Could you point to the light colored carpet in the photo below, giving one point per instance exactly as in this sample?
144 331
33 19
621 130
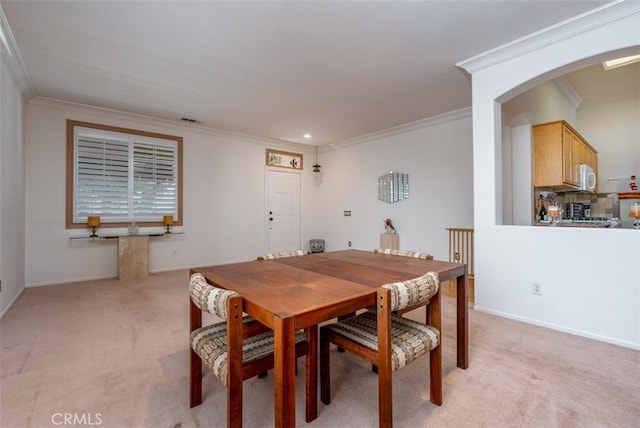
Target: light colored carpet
115 354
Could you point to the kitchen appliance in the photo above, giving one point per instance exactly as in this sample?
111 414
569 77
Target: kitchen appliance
587 178
574 210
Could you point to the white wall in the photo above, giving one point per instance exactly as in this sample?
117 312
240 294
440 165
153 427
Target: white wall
613 129
224 187
223 199
12 207
437 156
590 277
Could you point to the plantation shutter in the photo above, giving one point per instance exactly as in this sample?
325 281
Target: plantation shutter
102 178
124 177
155 181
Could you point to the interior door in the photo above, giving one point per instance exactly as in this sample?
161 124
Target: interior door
284 223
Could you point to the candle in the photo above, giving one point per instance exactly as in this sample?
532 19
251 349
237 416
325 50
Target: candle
553 211
634 211
93 220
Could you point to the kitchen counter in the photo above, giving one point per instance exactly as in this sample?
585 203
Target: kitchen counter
584 223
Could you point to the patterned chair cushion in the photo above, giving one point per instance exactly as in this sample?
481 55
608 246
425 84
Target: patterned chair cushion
404 253
210 343
423 256
283 254
409 339
414 291
209 298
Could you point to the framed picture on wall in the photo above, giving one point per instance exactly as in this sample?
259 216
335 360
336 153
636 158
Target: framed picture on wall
282 159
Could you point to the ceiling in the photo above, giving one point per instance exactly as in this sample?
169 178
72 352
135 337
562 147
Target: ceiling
276 70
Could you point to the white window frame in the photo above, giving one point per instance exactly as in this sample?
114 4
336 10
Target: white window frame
144 203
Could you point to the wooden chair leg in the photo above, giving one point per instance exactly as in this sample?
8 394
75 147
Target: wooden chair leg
385 402
325 370
195 380
234 402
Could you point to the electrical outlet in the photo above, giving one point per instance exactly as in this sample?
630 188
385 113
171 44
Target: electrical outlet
347 213
349 243
536 289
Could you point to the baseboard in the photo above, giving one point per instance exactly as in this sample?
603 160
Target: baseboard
617 342
6 309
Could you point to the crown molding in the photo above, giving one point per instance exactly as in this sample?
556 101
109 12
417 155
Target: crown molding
10 54
567 91
401 129
78 108
595 18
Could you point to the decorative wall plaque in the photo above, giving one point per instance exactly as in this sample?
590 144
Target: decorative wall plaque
284 159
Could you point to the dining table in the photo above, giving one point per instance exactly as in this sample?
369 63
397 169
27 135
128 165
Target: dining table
293 293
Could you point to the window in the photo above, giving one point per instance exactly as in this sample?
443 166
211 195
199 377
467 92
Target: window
122 175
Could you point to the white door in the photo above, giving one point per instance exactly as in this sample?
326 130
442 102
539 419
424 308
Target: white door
284 222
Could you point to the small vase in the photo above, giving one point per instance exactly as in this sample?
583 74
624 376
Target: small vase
133 229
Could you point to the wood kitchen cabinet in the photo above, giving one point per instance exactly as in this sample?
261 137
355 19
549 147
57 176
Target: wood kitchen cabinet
558 151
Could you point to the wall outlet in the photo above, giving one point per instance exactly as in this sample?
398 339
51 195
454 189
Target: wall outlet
347 213
536 288
348 243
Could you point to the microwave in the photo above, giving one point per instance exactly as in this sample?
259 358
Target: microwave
587 178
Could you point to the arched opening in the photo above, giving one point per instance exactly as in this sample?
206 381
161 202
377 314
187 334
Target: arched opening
603 106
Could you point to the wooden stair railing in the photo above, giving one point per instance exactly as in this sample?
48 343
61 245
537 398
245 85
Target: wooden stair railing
461 251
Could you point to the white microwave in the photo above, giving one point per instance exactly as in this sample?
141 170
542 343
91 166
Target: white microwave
587 178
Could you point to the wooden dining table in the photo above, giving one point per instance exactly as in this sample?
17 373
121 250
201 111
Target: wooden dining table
295 293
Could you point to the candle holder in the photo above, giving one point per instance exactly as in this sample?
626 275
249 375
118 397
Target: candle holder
93 221
634 211
167 220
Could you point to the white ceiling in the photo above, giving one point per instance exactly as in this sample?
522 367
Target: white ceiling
277 70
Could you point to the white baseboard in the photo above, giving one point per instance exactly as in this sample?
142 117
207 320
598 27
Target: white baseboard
563 329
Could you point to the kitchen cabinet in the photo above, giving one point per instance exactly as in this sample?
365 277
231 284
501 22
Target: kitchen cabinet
558 151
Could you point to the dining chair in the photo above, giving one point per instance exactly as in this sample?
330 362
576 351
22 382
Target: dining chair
282 254
237 348
405 253
389 341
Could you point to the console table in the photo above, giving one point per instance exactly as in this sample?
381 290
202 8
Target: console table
133 253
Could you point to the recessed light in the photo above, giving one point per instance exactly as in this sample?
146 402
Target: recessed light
307 136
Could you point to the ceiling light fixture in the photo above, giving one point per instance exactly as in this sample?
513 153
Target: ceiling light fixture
316 167
620 62
307 136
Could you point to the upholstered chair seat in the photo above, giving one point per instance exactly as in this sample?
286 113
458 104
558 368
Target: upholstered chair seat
389 341
409 339
210 343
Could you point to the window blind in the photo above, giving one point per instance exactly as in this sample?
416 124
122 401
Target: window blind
123 177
